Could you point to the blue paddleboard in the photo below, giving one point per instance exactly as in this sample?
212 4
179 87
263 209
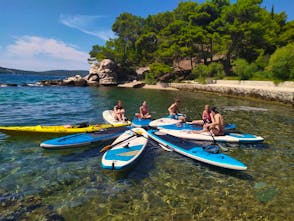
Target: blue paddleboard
136 122
195 152
82 139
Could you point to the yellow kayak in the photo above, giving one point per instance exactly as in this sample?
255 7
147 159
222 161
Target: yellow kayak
62 129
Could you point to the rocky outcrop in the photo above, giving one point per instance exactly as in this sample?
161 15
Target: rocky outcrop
133 84
76 80
103 73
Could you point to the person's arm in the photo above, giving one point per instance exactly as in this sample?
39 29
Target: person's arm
203 116
141 112
170 109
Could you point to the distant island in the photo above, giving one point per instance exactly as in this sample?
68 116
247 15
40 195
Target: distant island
51 72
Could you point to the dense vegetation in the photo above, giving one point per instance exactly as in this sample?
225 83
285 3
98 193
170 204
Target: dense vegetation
220 39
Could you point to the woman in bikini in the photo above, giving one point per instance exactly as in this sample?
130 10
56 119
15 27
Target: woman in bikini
119 111
206 118
216 127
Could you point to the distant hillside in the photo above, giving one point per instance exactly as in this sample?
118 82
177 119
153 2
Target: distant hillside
53 72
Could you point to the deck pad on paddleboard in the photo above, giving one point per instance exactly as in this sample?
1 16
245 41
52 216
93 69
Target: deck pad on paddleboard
196 152
126 150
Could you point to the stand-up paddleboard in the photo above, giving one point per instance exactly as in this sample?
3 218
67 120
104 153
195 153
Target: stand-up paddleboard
60 129
195 152
83 139
163 121
136 122
206 136
109 118
126 150
187 126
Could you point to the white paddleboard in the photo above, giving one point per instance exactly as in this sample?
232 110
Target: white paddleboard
130 146
163 121
108 116
229 137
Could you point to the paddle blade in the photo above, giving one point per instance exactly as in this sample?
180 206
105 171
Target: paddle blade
138 132
104 149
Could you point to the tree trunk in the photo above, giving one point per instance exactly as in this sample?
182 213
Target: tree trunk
211 53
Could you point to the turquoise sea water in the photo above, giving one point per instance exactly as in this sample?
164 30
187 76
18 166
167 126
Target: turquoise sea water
37 184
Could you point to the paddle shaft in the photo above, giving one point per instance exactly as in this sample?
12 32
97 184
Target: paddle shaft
214 141
107 147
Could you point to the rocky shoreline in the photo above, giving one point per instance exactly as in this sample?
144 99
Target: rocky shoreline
105 73
264 90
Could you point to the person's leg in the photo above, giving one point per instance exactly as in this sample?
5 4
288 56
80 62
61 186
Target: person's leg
122 112
199 122
147 116
216 132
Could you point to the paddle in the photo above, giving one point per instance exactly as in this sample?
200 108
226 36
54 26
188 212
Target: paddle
108 147
214 141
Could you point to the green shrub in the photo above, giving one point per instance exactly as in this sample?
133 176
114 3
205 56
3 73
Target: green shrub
200 71
216 70
156 70
281 63
243 69
260 76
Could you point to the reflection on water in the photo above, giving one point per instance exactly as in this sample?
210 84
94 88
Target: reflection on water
38 184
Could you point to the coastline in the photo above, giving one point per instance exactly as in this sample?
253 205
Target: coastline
140 84
265 90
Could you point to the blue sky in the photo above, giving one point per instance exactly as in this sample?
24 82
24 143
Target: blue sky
58 34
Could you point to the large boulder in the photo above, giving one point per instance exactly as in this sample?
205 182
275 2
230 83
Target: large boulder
104 73
76 80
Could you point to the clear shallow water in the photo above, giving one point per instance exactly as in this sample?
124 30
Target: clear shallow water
70 184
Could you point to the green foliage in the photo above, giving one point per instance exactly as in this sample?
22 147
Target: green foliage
156 70
243 70
200 71
281 63
260 76
207 32
216 70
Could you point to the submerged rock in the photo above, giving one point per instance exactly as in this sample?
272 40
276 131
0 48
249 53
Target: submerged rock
264 193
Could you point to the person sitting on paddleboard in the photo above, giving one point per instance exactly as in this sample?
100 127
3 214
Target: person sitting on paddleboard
206 118
216 127
144 112
119 111
174 111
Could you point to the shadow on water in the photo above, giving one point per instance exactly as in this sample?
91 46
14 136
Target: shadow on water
137 171
257 146
79 153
